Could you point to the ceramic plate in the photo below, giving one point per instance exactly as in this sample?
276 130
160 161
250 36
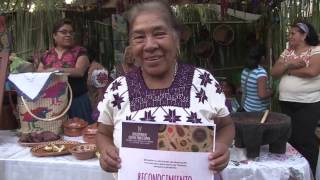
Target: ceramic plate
40 152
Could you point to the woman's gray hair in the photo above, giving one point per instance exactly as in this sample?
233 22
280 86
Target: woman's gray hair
158 6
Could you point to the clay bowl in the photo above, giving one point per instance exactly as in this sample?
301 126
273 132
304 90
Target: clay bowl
74 127
251 134
89 133
83 151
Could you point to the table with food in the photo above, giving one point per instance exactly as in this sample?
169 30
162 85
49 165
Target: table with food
50 146
45 155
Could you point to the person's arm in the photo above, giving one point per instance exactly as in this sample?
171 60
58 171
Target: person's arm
311 71
41 68
263 90
109 159
281 66
219 159
80 68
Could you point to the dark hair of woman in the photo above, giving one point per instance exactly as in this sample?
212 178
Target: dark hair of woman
158 6
60 23
312 38
254 57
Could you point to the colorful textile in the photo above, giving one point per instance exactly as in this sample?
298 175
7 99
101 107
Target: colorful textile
67 60
80 106
30 85
252 102
194 97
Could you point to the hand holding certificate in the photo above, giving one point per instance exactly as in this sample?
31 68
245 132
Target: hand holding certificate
166 151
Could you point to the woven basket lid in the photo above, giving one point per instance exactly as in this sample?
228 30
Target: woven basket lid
223 34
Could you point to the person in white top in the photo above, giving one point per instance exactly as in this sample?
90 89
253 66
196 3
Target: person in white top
162 89
299 88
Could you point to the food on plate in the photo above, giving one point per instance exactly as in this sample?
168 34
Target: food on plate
36 137
54 148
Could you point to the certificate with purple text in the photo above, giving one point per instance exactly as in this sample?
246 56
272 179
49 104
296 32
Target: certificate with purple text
166 151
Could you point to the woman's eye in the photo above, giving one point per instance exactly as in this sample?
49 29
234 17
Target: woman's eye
138 38
159 34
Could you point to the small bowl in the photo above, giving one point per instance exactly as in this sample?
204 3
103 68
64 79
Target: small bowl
89 133
74 127
83 151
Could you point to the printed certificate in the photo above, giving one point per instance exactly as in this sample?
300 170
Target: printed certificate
165 151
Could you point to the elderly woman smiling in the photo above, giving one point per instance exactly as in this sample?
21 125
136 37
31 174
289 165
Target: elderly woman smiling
162 89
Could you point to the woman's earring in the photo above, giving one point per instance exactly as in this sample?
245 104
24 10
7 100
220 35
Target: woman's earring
178 52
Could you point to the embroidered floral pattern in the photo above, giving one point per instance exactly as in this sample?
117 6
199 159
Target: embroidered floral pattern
148 117
172 117
129 118
115 85
205 79
117 101
193 118
178 94
202 96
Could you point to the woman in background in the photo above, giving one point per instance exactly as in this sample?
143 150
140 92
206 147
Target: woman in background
68 58
254 83
299 90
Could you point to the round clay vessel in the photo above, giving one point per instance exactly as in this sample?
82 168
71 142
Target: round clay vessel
83 151
74 127
89 133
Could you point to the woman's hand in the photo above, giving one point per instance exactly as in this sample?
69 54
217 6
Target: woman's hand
219 159
295 64
110 160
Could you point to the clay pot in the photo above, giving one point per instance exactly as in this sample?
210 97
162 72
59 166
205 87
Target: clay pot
89 133
251 134
83 151
74 127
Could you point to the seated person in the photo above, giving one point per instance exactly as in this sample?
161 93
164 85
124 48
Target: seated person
229 92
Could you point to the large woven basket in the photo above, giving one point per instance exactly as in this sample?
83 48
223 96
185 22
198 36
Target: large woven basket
49 111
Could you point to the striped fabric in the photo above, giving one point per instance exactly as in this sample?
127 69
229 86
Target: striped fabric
252 102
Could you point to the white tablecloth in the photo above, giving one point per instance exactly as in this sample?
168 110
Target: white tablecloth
268 166
17 163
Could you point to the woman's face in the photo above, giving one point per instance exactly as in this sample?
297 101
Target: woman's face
153 43
64 36
296 37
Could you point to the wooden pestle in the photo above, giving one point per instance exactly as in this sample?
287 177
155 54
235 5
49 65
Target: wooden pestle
264 117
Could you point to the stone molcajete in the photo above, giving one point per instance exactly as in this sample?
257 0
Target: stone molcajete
251 134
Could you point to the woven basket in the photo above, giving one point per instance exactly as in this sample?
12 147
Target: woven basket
223 34
49 111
